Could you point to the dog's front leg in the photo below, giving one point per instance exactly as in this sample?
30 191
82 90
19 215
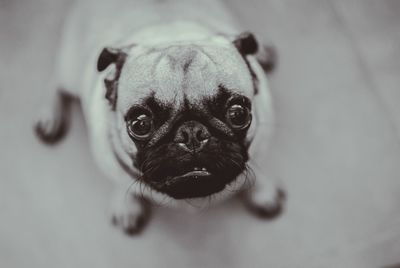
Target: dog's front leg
130 212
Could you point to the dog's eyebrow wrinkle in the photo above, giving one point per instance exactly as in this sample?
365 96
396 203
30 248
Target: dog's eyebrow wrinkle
208 56
154 105
220 99
186 65
182 58
157 63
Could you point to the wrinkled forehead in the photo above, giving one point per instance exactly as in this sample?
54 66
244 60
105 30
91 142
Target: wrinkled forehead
178 74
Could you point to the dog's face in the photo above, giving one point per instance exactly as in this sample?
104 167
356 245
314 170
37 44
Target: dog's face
182 114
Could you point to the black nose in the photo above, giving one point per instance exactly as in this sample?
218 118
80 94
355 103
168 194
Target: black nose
192 136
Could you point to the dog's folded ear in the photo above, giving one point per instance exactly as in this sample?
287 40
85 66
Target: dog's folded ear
246 43
107 57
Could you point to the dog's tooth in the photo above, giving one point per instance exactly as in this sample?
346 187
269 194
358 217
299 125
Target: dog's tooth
196 168
204 169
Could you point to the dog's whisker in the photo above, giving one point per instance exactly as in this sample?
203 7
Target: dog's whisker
127 192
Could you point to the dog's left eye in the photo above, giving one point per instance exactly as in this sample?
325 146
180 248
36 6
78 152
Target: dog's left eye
238 117
141 127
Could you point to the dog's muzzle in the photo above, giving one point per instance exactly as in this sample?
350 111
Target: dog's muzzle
197 167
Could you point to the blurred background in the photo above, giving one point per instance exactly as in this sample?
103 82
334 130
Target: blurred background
337 148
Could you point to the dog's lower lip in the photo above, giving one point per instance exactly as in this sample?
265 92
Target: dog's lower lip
196 173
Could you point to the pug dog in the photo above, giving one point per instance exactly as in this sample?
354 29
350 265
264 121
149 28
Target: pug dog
176 103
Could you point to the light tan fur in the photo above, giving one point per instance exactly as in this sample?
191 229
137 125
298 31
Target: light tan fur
175 48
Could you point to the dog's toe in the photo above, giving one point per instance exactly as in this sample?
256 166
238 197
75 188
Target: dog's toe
131 224
131 217
266 206
53 121
50 130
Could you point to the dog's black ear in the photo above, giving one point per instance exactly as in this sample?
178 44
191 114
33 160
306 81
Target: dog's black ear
266 55
246 43
109 56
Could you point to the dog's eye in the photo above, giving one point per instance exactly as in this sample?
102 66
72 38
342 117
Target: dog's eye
238 117
141 127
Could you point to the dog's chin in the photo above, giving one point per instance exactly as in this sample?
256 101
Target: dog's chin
192 184
193 187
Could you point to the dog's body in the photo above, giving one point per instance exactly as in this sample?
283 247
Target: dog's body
182 52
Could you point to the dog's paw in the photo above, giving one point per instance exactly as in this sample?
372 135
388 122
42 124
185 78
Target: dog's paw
53 122
50 128
131 215
265 204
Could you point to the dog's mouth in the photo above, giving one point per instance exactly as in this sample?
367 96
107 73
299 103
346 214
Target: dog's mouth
195 173
193 182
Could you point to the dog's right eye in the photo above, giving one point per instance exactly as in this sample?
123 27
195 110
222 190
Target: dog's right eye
238 116
140 127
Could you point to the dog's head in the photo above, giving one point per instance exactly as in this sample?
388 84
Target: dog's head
182 112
